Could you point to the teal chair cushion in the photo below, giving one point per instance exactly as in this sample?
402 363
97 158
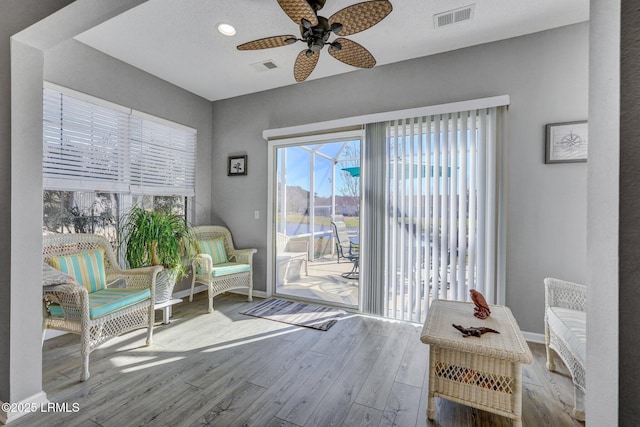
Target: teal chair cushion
106 301
229 268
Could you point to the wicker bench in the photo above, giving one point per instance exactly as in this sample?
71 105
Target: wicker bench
565 327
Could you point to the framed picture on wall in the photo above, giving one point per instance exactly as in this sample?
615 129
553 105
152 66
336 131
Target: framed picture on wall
566 142
237 165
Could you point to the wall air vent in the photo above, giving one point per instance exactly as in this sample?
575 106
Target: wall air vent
265 65
453 16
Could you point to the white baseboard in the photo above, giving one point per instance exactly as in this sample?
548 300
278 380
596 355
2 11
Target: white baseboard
202 288
52 333
259 294
534 337
186 292
33 402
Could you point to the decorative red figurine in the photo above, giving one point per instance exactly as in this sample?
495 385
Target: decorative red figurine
481 311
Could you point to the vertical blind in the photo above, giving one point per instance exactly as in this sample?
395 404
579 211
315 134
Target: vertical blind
102 147
441 233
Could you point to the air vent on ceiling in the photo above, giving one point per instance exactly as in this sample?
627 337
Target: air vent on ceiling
453 16
265 65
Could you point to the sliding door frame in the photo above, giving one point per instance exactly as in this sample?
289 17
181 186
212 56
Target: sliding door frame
273 146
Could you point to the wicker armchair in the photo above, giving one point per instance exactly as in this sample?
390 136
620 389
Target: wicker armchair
69 306
565 333
232 270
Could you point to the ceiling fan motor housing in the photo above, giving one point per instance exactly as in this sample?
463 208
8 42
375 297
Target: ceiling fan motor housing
316 4
316 37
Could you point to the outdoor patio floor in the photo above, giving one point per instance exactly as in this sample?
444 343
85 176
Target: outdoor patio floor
324 283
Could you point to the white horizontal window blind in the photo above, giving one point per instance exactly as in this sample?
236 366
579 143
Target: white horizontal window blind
162 158
101 147
83 142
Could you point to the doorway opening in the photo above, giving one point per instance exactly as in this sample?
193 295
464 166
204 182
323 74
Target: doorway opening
317 196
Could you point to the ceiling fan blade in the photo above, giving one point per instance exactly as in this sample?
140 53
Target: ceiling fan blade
268 42
299 9
304 65
360 16
353 54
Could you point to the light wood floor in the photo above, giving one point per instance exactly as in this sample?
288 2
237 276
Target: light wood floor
228 369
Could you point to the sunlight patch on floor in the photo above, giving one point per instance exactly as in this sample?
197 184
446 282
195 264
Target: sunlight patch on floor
152 364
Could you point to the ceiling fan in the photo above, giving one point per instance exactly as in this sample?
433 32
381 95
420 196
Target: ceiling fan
316 30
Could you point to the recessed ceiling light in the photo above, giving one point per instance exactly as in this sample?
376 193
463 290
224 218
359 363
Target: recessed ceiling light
226 29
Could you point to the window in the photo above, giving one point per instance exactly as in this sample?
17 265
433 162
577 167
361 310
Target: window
101 158
98 212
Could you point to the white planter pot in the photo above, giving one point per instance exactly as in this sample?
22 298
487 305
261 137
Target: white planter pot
165 282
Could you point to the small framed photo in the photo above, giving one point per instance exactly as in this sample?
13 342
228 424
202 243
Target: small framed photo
237 166
566 142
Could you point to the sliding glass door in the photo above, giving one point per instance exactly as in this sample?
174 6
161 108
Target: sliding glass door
316 205
432 212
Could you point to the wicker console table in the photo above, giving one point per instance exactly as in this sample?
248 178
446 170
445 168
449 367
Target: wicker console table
483 372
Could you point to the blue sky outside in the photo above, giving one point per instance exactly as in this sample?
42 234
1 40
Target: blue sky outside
299 162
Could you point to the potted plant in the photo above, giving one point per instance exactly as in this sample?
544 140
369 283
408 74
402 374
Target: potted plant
152 238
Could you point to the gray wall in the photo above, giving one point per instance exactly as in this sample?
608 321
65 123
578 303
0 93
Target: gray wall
629 223
613 215
15 15
79 67
546 75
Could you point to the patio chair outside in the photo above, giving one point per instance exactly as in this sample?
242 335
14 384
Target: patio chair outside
345 248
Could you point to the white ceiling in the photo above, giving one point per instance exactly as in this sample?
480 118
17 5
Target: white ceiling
177 40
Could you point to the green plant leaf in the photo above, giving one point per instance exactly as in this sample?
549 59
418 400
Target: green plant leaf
142 231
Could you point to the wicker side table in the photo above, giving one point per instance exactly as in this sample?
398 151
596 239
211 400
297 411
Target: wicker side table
483 372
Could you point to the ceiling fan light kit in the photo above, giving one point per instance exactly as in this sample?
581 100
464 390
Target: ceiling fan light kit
316 30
